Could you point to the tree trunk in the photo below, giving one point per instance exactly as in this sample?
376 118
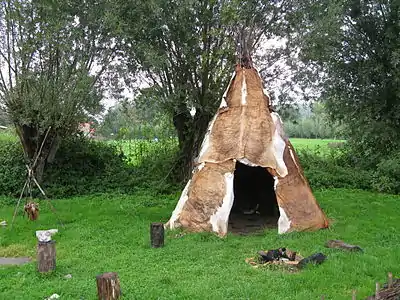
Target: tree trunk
191 131
157 235
31 140
108 287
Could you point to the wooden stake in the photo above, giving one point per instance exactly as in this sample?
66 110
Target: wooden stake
390 280
108 287
157 235
354 295
377 290
46 256
322 297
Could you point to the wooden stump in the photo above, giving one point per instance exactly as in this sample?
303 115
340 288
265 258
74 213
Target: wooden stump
157 235
108 287
46 256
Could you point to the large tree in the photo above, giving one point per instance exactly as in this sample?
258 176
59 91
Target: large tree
186 50
353 48
53 55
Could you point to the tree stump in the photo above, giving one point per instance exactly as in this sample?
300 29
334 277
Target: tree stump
157 235
108 287
46 256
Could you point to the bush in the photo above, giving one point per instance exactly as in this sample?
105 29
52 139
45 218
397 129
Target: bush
83 166
333 169
386 178
86 167
12 168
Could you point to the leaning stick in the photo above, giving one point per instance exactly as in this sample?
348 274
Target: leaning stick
19 201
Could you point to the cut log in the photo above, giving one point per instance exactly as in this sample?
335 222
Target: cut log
46 256
157 235
108 287
342 245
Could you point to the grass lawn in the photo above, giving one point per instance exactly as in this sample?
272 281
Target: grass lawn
137 149
111 233
312 143
7 135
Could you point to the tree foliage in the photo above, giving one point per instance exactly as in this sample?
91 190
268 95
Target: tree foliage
186 50
353 48
53 55
138 120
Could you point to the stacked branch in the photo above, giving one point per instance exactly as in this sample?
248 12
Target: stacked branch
390 291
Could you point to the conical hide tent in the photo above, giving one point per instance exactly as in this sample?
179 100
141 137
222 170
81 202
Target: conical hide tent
245 131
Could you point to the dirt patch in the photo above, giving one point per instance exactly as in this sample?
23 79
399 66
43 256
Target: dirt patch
242 224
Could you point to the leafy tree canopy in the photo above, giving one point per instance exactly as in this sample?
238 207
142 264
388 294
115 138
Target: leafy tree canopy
352 49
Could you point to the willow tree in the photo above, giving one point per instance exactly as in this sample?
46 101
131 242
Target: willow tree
53 57
352 50
186 50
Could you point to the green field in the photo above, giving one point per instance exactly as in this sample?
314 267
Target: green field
111 233
312 143
135 150
7 135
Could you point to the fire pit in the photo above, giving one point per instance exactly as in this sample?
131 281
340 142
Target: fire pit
287 259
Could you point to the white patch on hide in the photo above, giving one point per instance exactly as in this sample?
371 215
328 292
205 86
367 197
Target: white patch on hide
223 101
178 209
246 162
283 222
219 220
244 90
266 93
292 155
276 181
201 166
279 145
206 142
278 123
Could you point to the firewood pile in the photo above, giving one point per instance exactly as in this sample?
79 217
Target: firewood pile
285 258
390 291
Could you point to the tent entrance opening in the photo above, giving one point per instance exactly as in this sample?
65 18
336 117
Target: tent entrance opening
255 206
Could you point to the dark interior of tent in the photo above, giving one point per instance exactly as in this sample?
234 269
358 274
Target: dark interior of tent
255 206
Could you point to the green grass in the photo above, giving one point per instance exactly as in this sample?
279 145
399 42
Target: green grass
136 150
111 233
8 135
312 143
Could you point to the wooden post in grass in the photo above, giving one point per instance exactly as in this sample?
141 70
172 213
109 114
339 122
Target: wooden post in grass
377 290
46 256
390 280
157 235
108 287
354 295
